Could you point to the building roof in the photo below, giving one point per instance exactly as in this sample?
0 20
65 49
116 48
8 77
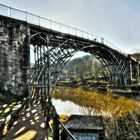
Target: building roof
85 122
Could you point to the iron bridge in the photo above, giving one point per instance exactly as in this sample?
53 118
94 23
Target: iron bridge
54 44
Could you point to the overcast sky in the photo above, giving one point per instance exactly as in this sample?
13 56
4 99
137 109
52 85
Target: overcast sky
118 21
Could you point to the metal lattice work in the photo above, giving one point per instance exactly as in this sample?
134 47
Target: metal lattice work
51 53
49 61
61 49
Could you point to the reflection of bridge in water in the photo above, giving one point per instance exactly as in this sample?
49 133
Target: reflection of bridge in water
54 44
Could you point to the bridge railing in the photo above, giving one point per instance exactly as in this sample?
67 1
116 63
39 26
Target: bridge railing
52 25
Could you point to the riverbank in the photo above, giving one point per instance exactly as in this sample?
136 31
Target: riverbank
120 114
105 104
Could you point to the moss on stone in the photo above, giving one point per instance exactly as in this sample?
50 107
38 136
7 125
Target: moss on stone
8 97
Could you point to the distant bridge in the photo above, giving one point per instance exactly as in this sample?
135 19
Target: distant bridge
53 45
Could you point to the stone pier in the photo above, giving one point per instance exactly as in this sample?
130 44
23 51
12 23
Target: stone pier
14 56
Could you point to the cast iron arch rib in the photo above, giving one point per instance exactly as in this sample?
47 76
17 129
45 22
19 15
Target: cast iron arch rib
62 49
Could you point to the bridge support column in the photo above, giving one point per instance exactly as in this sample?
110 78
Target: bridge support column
130 70
26 57
138 71
56 128
14 56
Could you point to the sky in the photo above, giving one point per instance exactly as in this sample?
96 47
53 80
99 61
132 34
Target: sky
118 21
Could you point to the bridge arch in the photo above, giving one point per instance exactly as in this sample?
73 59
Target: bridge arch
53 52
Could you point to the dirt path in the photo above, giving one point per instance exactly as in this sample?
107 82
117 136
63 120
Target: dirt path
29 126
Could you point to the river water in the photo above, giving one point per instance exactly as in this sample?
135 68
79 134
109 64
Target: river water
67 107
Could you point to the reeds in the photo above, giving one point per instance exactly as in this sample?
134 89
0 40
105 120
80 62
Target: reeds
121 115
105 104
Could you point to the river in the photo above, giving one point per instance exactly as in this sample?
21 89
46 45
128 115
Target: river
67 107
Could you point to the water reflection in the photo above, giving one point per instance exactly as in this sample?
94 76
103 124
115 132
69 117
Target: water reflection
67 107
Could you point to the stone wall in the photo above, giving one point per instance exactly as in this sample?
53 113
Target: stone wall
14 56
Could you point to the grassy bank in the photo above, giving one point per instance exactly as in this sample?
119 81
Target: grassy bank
105 104
121 115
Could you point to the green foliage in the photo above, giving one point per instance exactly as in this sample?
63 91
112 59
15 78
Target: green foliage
79 66
84 67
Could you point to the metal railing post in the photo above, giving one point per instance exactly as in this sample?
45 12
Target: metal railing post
26 16
10 12
60 27
68 29
50 24
56 128
75 31
39 20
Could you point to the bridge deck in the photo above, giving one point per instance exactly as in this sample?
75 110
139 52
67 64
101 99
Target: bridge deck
30 125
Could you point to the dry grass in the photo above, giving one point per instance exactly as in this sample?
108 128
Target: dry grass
105 104
121 116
